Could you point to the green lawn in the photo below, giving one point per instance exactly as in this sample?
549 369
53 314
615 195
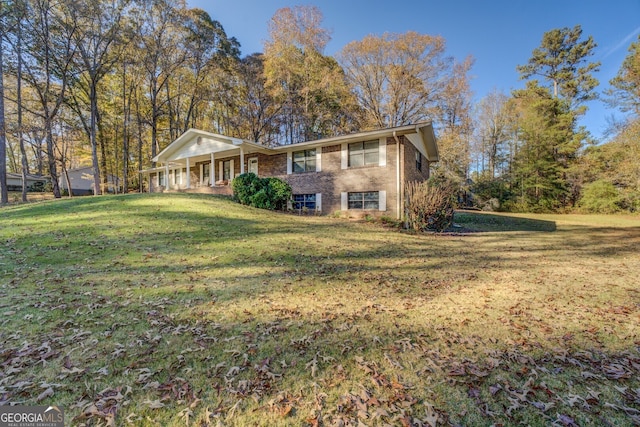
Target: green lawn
192 310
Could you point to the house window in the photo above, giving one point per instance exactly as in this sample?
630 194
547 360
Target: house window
176 177
304 161
364 200
418 160
301 201
160 178
206 172
226 170
363 153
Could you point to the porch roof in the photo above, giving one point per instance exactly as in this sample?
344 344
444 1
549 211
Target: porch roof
194 143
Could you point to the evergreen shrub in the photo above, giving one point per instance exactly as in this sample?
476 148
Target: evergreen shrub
263 193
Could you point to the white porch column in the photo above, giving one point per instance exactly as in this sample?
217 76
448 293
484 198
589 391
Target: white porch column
166 176
212 171
241 160
188 174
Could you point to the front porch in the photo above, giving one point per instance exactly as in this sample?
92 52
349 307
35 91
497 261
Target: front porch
220 190
200 161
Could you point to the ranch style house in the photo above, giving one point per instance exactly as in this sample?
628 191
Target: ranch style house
359 174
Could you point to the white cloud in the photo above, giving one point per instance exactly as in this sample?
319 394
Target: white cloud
623 43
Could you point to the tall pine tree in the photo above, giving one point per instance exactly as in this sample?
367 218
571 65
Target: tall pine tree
549 137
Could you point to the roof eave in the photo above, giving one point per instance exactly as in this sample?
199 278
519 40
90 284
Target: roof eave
177 144
378 133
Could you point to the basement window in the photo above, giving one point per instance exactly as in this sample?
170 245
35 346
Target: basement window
369 200
302 201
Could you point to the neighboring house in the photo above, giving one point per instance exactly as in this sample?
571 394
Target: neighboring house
34 182
362 173
81 180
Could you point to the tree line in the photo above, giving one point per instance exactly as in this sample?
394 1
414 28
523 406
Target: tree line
111 83
531 155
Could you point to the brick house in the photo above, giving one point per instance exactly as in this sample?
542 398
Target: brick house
361 173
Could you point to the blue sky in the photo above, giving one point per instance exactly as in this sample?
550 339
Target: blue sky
499 35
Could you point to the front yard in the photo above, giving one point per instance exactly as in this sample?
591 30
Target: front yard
184 309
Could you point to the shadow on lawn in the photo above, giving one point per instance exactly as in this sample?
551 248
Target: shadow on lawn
186 265
487 222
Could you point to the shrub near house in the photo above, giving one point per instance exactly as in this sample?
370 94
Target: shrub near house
263 193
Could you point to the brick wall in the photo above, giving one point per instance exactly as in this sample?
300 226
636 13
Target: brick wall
333 180
410 171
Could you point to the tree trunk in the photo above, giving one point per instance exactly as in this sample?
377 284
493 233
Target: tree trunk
51 156
4 193
139 119
23 152
103 152
155 113
94 143
65 172
125 139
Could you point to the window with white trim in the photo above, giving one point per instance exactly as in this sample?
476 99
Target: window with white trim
304 161
226 170
364 153
177 179
161 178
368 200
302 201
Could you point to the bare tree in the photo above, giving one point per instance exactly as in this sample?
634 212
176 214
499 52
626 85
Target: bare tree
161 42
397 78
98 41
494 129
48 55
310 87
4 192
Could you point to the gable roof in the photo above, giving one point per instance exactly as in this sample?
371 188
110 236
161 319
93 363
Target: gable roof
196 142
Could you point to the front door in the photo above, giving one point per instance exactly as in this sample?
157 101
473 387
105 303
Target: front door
253 165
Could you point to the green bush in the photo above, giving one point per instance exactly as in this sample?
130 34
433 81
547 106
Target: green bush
279 193
245 186
489 193
263 193
261 200
601 197
429 205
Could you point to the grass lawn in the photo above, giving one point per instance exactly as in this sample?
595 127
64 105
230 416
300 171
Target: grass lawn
15 197
192 310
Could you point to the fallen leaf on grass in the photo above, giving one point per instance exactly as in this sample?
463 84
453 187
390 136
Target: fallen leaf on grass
313 365
431 416
47 393
154 404
616 371
544 407
566 420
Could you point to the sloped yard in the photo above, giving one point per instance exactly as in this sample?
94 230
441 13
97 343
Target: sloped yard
192 310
